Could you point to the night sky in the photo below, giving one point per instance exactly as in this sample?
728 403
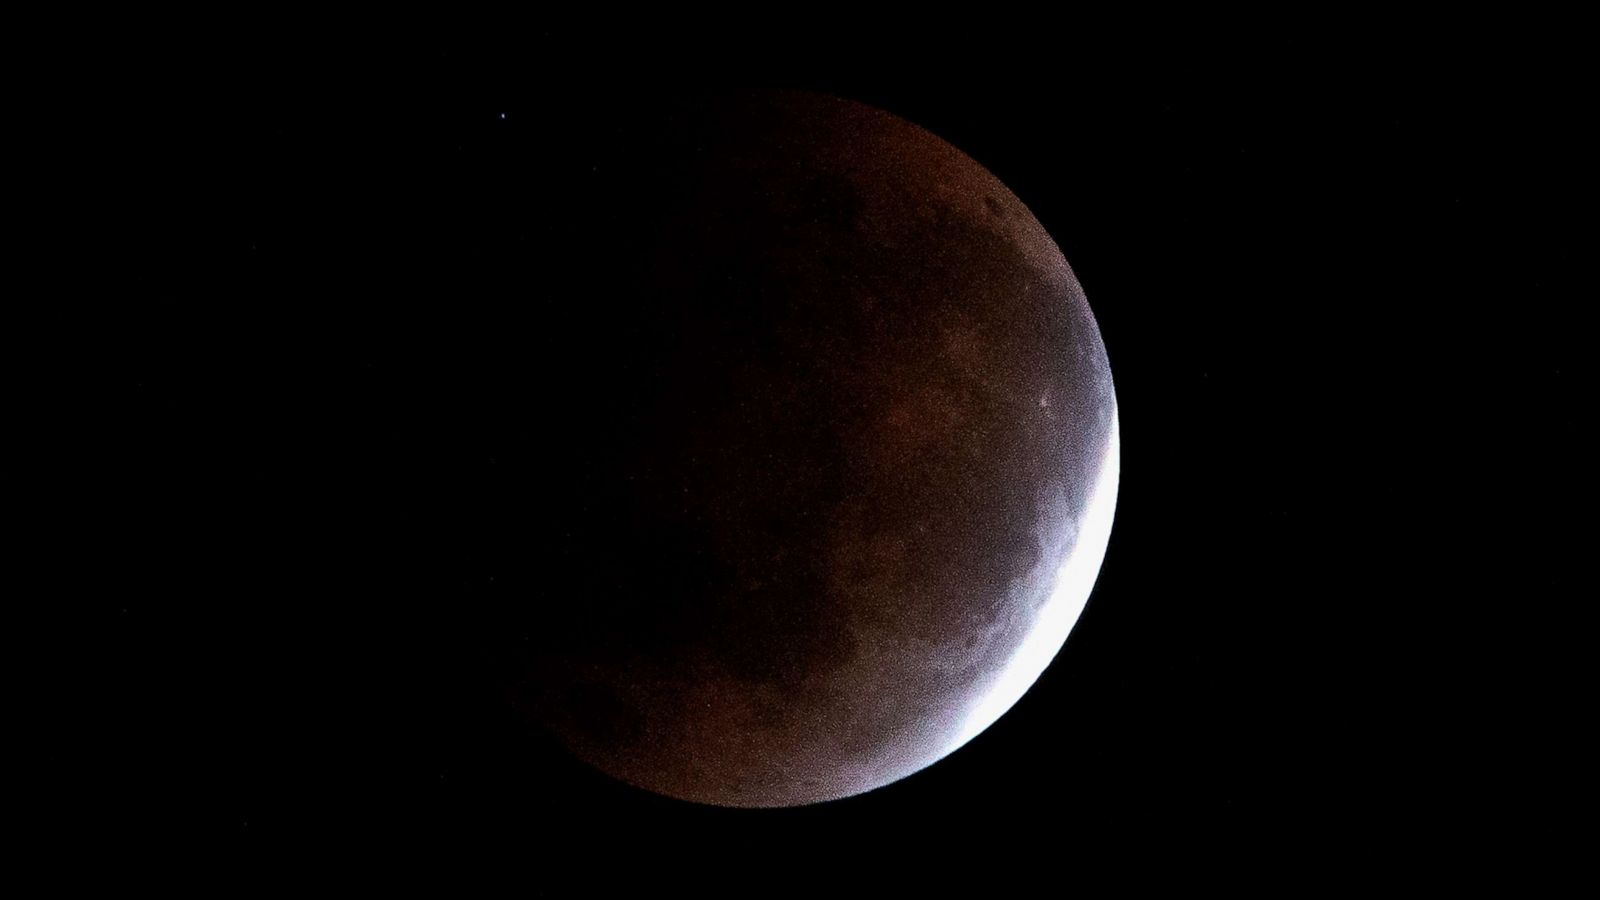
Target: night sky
1335 288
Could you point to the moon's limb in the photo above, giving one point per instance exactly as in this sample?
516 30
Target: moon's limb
1070 594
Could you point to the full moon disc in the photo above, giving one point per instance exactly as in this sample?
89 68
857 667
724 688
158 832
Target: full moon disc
861 481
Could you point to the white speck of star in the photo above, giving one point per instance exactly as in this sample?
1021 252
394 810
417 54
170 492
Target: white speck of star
502 115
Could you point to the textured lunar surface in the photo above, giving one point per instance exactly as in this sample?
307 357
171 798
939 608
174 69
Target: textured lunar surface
864 484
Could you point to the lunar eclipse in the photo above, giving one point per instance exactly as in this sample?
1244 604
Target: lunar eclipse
860 484
545 448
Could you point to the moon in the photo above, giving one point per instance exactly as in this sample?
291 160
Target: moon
861 483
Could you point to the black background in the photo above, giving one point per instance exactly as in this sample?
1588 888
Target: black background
354 289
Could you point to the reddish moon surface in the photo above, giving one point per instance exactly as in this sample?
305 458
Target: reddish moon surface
862 482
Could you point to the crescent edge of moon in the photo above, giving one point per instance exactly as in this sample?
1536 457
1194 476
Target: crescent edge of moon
1074 582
